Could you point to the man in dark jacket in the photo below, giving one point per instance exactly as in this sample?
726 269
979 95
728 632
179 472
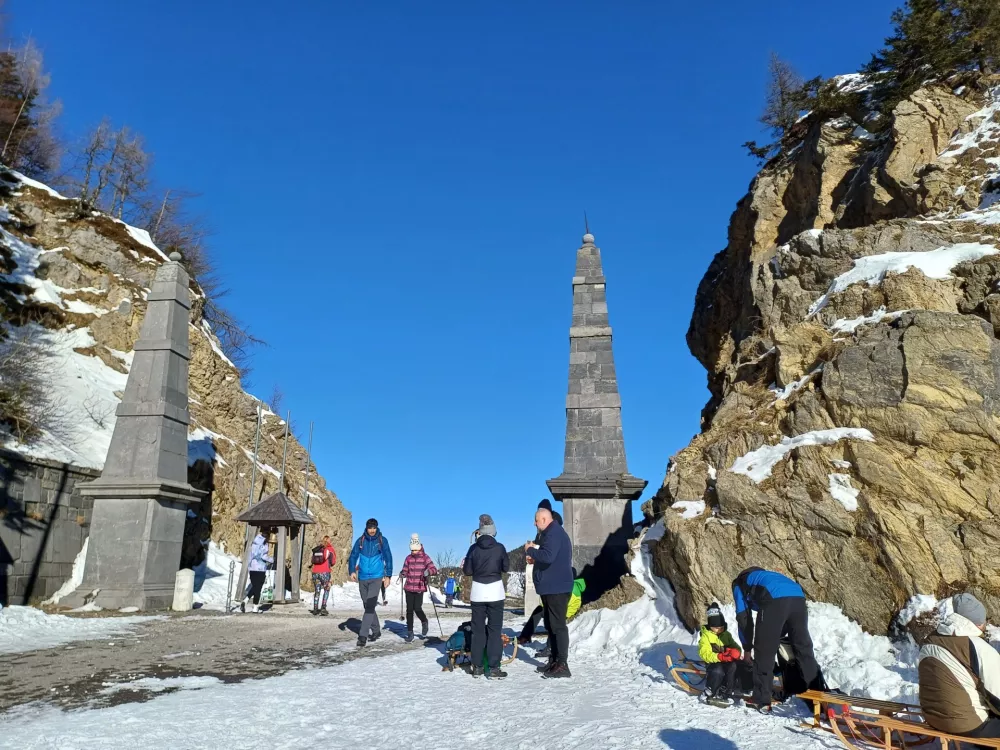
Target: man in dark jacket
553 577
486 561
780 604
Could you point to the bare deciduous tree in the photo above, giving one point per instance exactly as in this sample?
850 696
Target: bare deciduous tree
29 403
446 559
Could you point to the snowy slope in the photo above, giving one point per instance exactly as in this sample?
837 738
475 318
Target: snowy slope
28 629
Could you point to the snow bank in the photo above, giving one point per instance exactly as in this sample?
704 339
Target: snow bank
935 264
160 684
758 464
781 394
689 508
76 577
28 182
211 578
842 325
28 629
860 663
843 492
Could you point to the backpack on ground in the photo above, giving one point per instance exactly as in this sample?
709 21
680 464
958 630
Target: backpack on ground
462 638
319 555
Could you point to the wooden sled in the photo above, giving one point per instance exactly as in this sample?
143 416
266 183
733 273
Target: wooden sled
867 730
454 657
689 674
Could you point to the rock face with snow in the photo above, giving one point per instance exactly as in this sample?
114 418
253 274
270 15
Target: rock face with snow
82 282
849 330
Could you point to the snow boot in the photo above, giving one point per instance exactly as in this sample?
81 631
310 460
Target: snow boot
361 642
477 671
375 636
409 636
559 670
545 667
324 612
496 674
424 627
314 612
243 606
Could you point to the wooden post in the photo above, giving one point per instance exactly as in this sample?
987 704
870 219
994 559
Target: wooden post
241 586
296 565
279 567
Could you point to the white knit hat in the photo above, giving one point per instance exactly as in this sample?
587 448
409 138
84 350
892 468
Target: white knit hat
415 542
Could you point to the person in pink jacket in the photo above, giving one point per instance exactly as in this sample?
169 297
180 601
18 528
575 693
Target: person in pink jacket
416 568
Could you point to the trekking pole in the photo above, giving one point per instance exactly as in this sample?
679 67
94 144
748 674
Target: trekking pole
436 615
402 595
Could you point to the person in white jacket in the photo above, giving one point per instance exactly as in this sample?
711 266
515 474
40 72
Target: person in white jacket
259 560
959 674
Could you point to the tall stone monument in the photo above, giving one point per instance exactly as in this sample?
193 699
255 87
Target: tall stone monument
595 488
141 498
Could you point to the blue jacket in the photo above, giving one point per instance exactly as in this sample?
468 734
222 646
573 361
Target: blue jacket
370 557
259 559
553 572
754 589
449 586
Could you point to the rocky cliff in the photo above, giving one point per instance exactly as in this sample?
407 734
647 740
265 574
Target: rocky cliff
76 284
849 330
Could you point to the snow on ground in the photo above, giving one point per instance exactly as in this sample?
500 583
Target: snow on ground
843 492
935 264
781 394
619 697
28 629
211 578
689 508
758 464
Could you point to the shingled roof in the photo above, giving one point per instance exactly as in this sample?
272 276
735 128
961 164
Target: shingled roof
276 510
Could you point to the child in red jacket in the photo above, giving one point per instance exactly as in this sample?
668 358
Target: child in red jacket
416 568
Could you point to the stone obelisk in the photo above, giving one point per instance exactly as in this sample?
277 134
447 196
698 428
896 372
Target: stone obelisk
595 487
141 498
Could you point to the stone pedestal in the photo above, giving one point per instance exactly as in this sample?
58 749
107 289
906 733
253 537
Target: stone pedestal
141 498
595 487
531 598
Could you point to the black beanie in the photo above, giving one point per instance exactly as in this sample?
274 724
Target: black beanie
545 504
715 618
371 523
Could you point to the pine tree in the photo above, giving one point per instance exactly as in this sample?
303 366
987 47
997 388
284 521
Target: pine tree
979 22
782 106
926 45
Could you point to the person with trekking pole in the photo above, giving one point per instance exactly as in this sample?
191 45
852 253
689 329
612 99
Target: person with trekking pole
487 561
370 564
416 569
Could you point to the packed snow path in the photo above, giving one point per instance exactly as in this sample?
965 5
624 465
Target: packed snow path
405 700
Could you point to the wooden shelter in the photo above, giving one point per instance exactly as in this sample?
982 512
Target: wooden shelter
281 514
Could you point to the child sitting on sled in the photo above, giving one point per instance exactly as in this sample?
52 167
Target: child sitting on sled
721 655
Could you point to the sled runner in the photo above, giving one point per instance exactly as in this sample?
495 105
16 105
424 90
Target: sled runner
455 655
867 729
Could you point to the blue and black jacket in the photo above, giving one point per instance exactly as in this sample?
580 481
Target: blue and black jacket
753 589
370 557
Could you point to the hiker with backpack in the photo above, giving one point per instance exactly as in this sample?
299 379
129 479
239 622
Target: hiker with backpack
781 610
416 569
370 564
487 561
259 560
324 557
553 578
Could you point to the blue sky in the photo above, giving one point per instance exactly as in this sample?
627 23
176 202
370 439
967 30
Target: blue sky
397 193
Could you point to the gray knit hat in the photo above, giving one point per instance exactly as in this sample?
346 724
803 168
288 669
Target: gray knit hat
486 525
970 608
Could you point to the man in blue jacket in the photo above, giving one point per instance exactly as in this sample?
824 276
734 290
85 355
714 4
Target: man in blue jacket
370 565
552 553
780 605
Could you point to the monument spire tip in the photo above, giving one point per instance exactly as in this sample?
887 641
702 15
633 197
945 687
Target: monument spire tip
588 238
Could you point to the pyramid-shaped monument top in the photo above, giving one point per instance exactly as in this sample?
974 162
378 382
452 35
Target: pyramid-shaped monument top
595 445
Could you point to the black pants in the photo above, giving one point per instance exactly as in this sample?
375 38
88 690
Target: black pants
788 617
532 624
989 729
257 578
554 613
721 675
487 623
414 605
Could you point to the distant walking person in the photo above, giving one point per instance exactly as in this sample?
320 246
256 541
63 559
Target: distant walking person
324 557
553 578
259 560
416 568
486 561
450 589
780 604
370 565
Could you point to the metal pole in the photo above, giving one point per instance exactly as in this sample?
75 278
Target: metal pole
229 588
284 453
305 490
253 471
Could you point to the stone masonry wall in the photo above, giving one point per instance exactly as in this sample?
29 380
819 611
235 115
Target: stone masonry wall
43 524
